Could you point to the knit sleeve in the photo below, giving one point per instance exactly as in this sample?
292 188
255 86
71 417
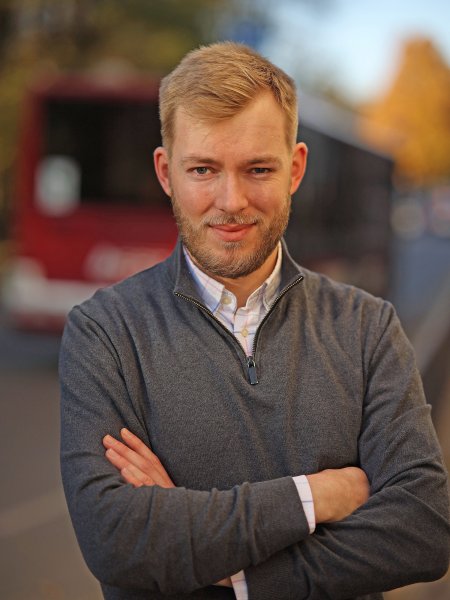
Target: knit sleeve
149 538
401 535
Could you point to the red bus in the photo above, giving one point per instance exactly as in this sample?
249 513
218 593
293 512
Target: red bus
88 209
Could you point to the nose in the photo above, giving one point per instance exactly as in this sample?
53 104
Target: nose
231 196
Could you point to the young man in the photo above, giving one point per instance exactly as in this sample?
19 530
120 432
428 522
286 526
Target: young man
269 395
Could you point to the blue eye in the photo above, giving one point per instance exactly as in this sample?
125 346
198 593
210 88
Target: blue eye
201 170
260 170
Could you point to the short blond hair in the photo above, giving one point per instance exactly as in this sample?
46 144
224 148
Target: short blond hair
215 82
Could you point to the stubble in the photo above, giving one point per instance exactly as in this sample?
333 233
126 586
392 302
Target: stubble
232 259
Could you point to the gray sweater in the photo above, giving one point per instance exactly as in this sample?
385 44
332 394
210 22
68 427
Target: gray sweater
337 386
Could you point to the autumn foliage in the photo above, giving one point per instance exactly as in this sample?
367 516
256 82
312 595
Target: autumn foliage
412 121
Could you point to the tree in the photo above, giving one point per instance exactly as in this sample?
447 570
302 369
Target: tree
412 121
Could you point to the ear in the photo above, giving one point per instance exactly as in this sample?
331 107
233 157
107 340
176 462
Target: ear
298 166
161 162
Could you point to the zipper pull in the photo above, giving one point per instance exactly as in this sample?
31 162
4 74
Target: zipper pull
251 366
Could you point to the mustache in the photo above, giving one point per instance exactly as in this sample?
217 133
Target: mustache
230 220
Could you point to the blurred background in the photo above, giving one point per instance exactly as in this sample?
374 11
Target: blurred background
80 207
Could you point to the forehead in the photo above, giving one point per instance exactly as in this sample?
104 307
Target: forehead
259 125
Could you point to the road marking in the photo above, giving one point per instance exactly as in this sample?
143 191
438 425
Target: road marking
32 513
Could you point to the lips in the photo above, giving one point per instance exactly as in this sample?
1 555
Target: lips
232 233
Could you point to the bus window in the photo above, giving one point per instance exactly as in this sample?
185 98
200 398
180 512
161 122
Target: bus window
112 143
58 185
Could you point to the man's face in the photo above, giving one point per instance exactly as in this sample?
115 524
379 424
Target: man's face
230 183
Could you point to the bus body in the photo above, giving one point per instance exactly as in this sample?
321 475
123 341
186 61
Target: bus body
89 210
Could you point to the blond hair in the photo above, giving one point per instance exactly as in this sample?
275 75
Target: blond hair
215 82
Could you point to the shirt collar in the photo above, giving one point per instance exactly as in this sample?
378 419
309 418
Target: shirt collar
212 292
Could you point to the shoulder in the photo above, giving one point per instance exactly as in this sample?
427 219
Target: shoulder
346 320
320 287
125 300
344 305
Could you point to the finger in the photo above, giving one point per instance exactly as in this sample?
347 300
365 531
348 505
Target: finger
130 473
121 463
138 475
130 478
115 459
127 453
151 467
225 582
127 450
131 440
136 444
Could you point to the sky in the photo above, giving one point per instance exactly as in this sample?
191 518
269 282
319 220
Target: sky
354 44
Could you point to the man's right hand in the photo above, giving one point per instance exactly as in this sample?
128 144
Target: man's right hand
338 492
136 462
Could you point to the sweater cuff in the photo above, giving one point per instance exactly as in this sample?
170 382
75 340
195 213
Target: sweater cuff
281 517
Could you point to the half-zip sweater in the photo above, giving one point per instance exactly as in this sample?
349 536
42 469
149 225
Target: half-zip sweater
337 386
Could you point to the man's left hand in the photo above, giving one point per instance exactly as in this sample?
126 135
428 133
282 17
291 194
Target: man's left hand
137 464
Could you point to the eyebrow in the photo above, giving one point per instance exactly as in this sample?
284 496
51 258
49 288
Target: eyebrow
194 158
266 158
204 160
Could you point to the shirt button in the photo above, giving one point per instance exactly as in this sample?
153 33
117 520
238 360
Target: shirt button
244 332
226 300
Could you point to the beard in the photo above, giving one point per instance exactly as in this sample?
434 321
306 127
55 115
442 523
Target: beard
232 259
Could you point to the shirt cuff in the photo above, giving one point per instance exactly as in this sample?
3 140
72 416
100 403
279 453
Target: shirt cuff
239 586
304 491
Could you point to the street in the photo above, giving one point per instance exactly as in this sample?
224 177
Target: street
39 556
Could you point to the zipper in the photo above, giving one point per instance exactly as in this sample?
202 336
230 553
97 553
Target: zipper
251 368
250 360
269 312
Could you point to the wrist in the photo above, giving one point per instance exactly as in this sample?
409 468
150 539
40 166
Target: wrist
322 507
338 492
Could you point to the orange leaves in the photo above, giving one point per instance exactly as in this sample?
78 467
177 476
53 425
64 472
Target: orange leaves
412 120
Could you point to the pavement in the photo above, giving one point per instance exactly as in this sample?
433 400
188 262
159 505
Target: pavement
39 555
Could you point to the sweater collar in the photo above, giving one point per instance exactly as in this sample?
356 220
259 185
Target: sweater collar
185 284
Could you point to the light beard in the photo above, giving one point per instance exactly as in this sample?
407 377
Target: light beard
233 261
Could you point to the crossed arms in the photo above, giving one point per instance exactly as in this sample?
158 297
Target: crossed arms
336 492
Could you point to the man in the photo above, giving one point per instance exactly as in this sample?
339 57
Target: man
269 395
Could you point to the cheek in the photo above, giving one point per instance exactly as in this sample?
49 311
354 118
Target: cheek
269 199
193 199
272 191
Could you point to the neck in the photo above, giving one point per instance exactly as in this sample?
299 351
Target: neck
243 287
